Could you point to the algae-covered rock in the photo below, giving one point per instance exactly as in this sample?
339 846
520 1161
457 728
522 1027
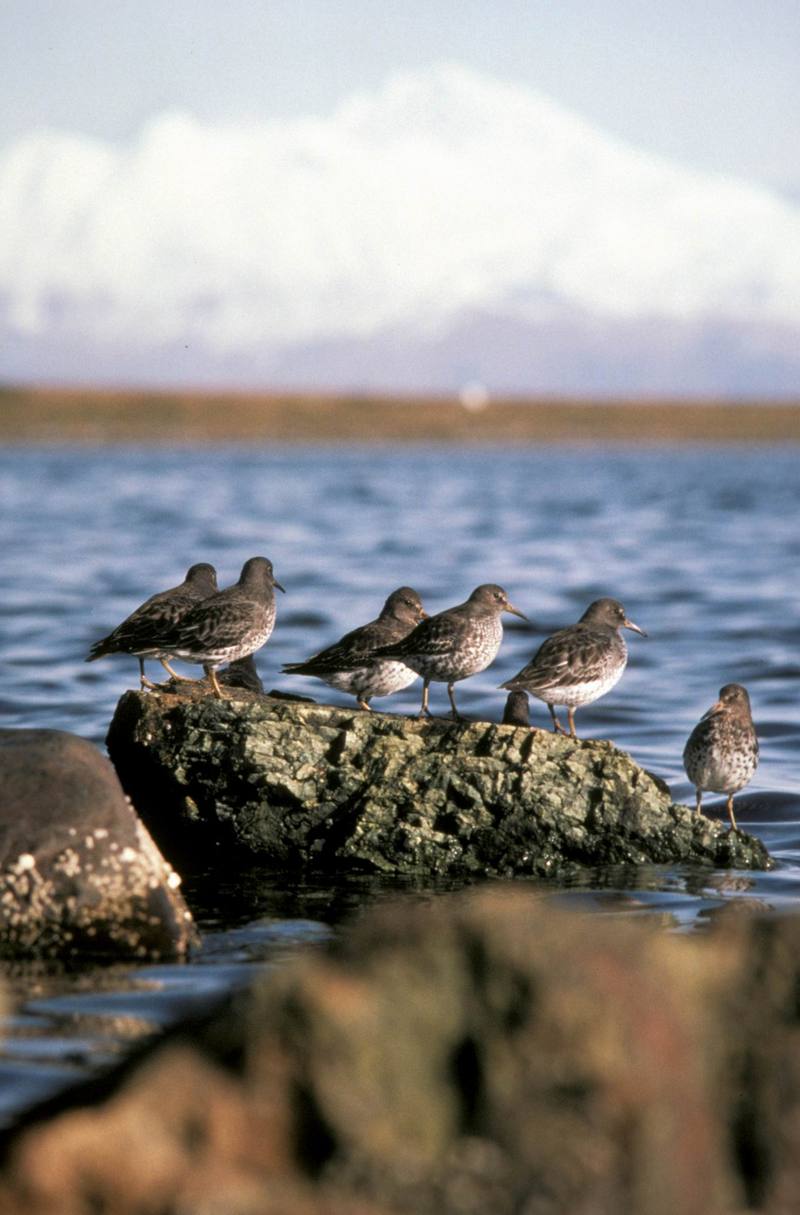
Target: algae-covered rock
297 784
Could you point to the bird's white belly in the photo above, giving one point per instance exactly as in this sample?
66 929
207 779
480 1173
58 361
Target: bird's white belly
379 679
574 694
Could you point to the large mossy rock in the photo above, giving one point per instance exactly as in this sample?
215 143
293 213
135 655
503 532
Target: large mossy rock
79 873
297 784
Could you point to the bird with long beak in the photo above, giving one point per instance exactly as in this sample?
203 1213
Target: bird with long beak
721 754
455 643
579 664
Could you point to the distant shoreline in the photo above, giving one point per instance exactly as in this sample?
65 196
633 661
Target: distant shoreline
30 415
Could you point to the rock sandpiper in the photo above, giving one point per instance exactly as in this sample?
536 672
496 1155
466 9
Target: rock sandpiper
721 754
455 643
579 664
349 665
156 615
227 626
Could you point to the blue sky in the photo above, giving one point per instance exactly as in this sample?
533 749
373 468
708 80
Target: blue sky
714 85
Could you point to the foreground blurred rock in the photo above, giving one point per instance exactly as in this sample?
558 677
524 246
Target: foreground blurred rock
480 1054
78 871
297 784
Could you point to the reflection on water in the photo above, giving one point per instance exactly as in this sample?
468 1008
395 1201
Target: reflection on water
701 546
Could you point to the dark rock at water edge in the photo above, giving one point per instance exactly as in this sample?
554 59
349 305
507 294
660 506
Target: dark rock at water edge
79 873
485 1053
305 785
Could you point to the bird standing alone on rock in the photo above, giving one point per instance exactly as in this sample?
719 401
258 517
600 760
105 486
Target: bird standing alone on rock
349 665
160 612
229 625
578 664
456 643
721 754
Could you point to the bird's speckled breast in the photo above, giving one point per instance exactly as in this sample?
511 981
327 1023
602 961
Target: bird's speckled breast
475 652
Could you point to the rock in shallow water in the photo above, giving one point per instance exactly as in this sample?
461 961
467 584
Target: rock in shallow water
479 1055
79 873
314 786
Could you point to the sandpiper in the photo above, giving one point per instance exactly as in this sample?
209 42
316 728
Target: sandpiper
722 752
157 614
349 664
579 664
242 673
456 643
229 625
516 711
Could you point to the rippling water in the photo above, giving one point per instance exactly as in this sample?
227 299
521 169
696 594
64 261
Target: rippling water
702 546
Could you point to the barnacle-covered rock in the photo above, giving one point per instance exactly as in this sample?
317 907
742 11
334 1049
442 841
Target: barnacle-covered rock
79 872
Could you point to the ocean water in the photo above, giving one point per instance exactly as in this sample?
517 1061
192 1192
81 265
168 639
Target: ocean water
701 545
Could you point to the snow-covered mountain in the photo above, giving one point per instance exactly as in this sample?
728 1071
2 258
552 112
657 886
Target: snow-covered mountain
448 227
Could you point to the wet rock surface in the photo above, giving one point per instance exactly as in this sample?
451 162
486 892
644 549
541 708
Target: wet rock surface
79 873
481 1053
302 785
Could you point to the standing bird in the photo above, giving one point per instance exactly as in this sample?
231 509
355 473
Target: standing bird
229 625
349 664
722 752
579 664
454 644
160 612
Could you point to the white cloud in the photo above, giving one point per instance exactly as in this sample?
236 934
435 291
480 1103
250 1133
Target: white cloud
445 191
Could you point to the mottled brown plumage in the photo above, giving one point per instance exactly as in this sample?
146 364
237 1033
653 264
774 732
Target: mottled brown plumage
139 633
578 664
456 643
350 664
233 623
721 754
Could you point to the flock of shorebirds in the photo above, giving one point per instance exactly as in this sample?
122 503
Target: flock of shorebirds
198 623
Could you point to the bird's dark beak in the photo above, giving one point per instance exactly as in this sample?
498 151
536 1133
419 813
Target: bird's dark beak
634 628
276 583
514 611
423 615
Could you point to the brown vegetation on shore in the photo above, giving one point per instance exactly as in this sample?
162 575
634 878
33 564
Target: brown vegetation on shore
85 415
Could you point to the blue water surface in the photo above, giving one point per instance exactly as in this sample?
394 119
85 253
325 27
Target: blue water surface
702 546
